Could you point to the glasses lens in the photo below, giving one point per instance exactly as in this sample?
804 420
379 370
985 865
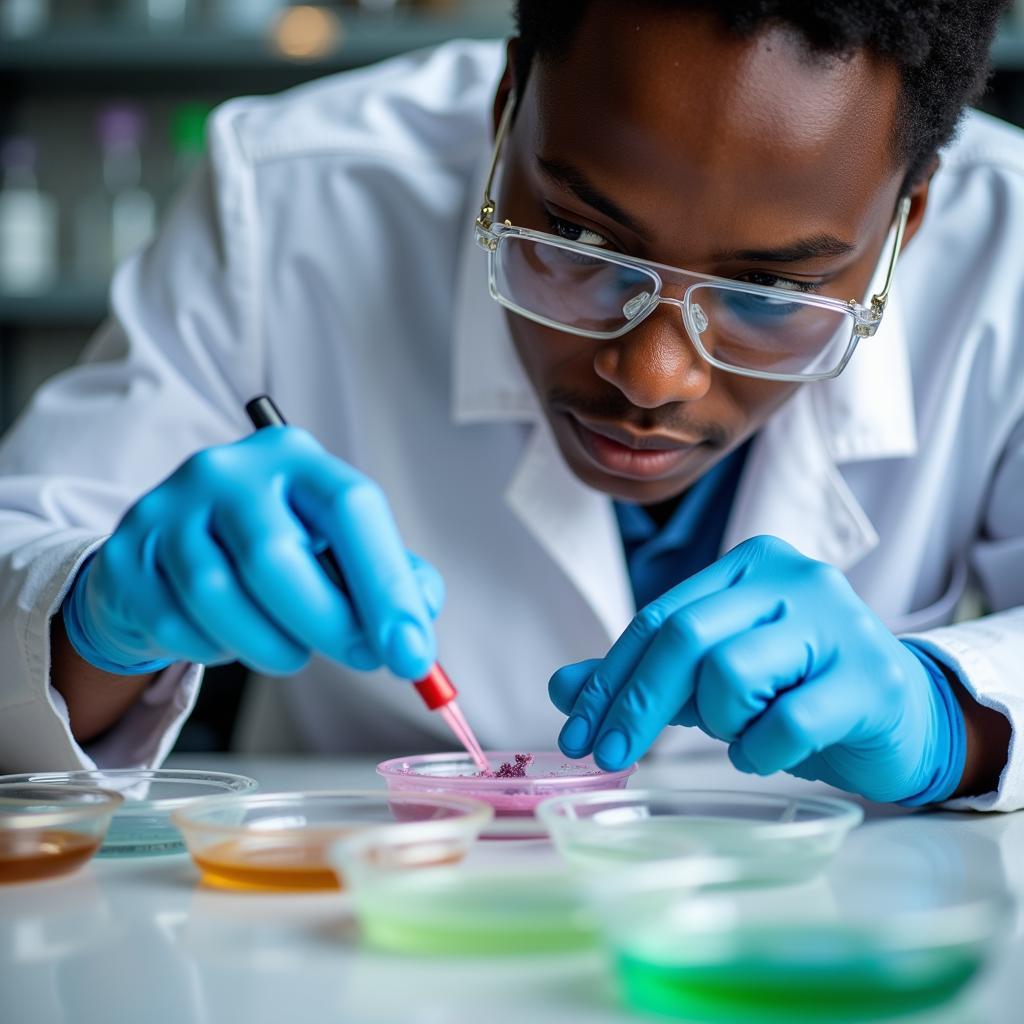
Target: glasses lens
769 333
577 290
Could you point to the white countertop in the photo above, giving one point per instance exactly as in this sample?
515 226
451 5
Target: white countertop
137 941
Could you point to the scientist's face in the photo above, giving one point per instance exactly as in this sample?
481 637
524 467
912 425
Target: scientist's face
661 136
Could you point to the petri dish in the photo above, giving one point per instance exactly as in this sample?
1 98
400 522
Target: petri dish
514 799
874 946
777 838
46 831
280 841
409 901
142 825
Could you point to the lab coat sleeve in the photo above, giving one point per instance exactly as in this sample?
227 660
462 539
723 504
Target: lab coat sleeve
988 653
167 375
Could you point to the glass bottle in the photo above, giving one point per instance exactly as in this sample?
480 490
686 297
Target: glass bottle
119 217
28 223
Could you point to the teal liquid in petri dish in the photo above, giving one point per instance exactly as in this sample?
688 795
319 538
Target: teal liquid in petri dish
141 836
771 975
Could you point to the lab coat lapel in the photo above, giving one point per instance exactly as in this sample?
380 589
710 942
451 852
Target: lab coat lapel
576 526
572 523
791 488
793 485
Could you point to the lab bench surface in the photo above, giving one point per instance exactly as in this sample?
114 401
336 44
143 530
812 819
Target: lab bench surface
140 941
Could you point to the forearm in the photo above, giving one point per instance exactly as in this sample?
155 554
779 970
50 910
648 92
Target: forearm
988 744
95 700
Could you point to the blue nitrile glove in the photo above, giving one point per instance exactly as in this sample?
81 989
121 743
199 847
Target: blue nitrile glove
218 563
776 655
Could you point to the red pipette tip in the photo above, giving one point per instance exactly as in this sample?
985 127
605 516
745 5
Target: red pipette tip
439 693
436 688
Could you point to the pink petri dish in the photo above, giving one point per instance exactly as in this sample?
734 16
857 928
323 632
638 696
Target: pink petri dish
513 799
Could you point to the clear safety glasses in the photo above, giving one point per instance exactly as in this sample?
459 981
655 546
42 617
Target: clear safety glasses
768 332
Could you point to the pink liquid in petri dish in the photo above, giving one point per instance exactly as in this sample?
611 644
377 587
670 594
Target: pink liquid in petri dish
513 786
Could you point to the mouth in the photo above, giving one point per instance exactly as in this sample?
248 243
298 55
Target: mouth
623 453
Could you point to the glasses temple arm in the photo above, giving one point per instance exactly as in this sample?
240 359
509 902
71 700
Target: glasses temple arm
487 207
880 298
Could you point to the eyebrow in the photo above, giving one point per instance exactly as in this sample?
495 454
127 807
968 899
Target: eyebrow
814 247
571 178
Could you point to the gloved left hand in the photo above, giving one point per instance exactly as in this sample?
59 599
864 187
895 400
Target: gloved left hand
775 654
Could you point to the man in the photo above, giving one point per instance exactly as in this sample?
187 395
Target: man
737 292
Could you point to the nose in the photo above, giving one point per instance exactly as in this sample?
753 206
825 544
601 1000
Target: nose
655 363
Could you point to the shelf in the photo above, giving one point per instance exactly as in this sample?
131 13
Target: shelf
66 305
54 58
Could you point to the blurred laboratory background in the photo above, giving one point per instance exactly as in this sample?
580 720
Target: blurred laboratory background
103 116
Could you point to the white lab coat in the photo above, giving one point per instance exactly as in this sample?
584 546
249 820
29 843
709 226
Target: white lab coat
326 256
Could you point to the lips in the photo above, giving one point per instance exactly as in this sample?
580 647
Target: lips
638 442
622 453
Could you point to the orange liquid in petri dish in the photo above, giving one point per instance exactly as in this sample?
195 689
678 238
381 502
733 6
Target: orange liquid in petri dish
283 867
47 854
237 864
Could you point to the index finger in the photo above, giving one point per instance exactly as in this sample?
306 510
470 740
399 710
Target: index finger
353 515
612 673
664 682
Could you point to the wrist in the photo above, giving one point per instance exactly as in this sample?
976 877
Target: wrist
988 742
95 700
947 750
87 645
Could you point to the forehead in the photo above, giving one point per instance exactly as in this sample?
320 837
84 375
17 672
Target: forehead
688 123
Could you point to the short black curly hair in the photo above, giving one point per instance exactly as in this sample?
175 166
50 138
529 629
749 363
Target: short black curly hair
940 46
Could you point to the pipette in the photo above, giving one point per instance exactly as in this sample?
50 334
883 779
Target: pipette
435 689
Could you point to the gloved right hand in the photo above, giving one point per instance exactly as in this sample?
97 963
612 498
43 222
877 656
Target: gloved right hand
217 563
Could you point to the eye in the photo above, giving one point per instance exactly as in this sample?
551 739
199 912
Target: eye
574 232
773 281
757 309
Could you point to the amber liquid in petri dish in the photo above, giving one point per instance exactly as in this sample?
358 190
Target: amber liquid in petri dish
45 854
238 864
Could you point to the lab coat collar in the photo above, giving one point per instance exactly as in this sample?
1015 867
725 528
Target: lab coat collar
867 412
576 526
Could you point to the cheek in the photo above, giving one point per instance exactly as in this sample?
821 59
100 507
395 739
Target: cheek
548 355
755 400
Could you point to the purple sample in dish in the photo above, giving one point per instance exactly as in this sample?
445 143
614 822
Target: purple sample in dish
514 769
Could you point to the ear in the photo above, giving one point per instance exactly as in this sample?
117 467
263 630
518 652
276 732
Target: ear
507 85
919 201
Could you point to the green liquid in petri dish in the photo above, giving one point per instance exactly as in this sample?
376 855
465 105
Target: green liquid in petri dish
771 975
478 917
438 936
